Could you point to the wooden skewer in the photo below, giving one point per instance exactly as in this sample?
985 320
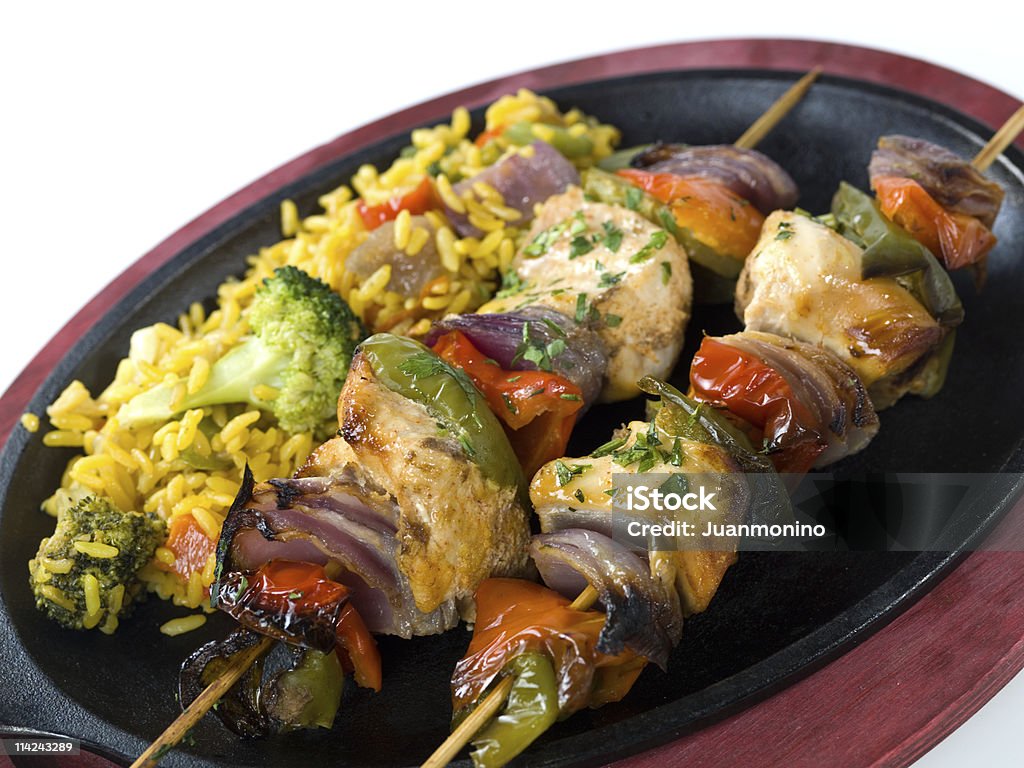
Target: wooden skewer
202 704
491 704
1003 138
495 700
763 125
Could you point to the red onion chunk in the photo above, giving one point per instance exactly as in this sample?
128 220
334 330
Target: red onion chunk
753 176
522 182
946 176
321 520
642 613
499 336
829 389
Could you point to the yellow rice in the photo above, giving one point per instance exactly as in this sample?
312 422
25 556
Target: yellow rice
193 463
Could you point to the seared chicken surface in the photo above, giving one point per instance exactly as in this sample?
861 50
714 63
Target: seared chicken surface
803 280
610 269
456 527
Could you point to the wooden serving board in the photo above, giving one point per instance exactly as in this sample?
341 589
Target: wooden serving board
883 703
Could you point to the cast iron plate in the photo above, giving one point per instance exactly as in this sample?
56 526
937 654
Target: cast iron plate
777 616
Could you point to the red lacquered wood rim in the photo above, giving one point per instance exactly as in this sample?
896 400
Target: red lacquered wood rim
898 693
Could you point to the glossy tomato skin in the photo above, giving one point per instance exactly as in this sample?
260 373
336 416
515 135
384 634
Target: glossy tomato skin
958 240
753 391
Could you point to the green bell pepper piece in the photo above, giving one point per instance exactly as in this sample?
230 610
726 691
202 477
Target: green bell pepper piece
409 369
531 709
570 146
714 274
616 161
889 251
309 695
679 416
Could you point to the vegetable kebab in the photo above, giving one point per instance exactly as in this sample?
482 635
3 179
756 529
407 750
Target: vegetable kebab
373 534
806 403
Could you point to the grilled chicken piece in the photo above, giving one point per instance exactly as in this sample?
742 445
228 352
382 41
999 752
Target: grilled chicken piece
803 280
586 538
396 508
457 527
612 270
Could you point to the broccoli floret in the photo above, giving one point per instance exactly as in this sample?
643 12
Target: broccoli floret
86 573
304 337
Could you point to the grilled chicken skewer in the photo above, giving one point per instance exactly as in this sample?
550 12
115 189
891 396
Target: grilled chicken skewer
809 383
617 384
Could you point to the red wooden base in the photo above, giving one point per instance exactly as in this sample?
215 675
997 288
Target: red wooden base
885 702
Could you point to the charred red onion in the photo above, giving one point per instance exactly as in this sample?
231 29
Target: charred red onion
643 614
946 176
753 176
325 521
582 359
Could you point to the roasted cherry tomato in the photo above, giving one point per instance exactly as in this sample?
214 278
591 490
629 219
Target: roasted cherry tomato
959 240
755 392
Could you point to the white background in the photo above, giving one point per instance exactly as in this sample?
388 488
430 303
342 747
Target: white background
121 122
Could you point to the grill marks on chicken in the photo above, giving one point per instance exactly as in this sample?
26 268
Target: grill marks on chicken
393 508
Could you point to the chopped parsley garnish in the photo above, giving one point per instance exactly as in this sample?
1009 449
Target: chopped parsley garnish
466 445
535 352
666 272
612 321
584 311
243 584
565 473
554 327
612 236
610 447
656 242
513 379
579 224
569 396
509 404
423 366
676 483
544 240
642 453
511 283
608 279
580 246
633 198
668 221
785 231
579 496
676 458
555 348
294 595
598 266
538 391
